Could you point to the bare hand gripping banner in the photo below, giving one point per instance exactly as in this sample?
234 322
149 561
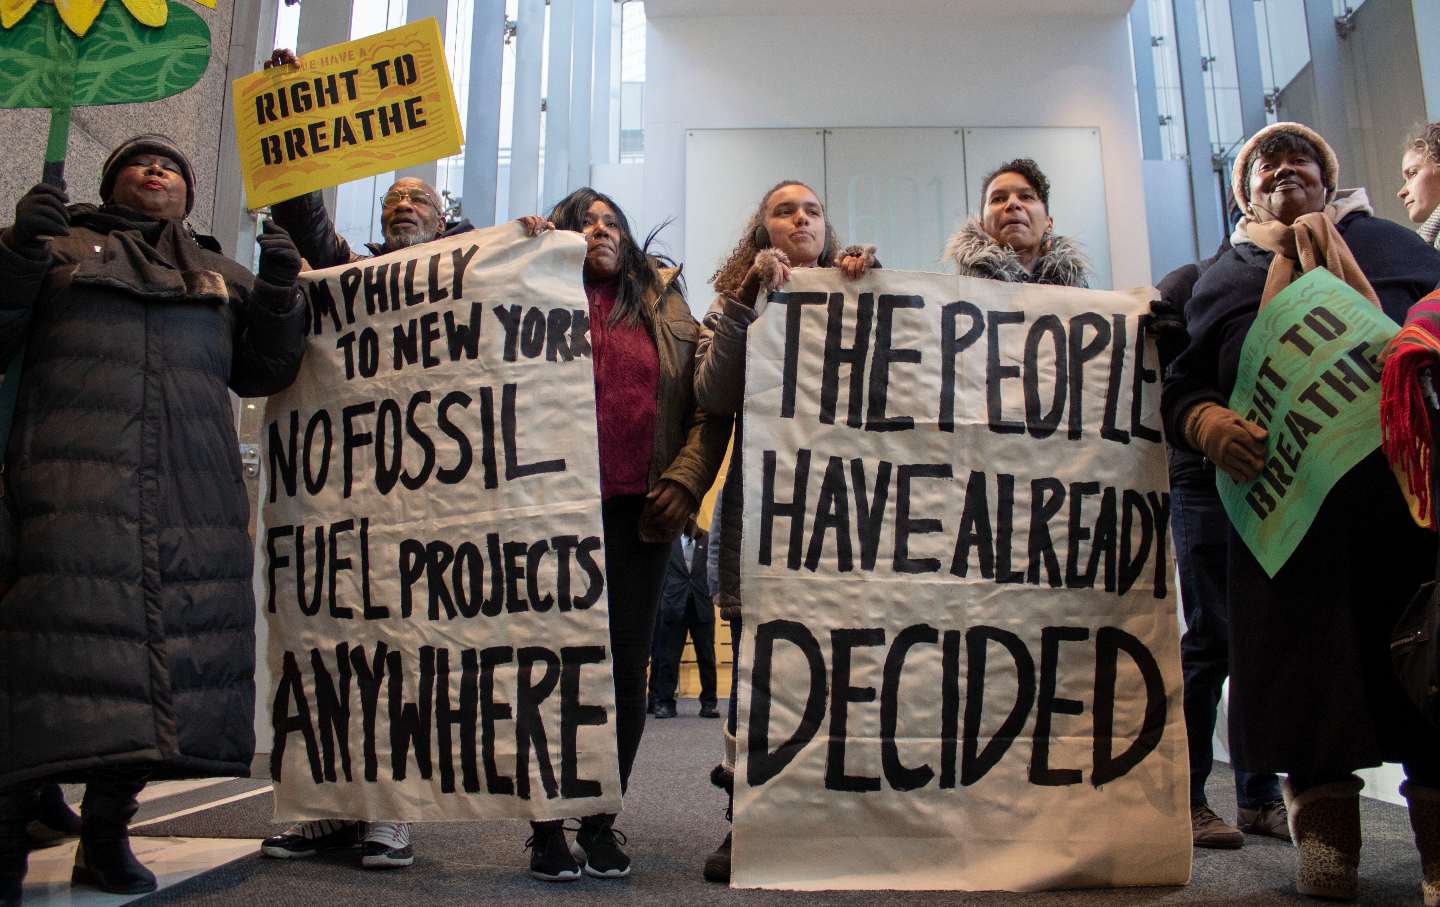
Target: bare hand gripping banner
960 664
430 555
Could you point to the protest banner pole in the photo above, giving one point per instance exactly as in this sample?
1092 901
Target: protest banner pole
60 106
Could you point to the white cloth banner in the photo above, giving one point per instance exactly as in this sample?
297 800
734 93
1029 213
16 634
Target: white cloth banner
430 553
960 663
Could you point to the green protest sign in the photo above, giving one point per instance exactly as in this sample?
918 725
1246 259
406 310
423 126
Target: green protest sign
1308 375
86 53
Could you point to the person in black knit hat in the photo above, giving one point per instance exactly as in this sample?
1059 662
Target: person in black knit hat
127 613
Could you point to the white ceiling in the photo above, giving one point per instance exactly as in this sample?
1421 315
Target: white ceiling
941 8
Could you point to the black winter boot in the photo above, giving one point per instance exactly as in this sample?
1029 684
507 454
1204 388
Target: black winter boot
51 818
104 859
717 864
14 811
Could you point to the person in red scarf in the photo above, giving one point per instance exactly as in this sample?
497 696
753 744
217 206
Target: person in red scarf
658 455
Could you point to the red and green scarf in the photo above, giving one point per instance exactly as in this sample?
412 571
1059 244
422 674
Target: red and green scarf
1405 419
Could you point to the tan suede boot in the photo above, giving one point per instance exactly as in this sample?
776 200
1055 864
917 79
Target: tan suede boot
1325 826
1425 820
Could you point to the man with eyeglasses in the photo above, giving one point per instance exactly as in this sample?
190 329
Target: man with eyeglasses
410 214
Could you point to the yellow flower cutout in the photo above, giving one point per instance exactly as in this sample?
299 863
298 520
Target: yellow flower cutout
79 14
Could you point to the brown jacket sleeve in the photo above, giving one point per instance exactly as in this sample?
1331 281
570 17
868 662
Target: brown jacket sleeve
720 357
699 459
705 434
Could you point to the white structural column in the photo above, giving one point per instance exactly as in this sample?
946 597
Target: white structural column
557 104
525 116
1330 88
322 23
1427 22
581 80
252 37
1247 65
415 11
1146 95
601 151
482 112
1203 185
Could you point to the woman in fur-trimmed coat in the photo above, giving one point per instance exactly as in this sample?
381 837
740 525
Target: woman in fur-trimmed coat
1011 239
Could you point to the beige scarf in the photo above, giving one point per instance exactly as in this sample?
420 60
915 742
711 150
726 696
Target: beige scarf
1310 242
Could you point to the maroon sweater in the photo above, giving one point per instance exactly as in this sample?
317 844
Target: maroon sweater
627 370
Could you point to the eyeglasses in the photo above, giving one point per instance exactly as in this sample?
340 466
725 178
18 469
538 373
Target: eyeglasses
415 196
146 162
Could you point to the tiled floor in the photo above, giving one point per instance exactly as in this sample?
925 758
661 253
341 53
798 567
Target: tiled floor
173 860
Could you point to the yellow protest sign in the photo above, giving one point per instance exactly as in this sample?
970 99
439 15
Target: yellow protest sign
345 112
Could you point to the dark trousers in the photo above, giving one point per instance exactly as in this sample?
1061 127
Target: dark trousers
670 646
634 572
113 789
732 715
1199 523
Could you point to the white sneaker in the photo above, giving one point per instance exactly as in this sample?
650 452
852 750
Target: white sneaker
387 846
305 839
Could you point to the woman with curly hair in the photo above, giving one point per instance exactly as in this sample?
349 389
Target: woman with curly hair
1420 170
788 230
1012 239
658 456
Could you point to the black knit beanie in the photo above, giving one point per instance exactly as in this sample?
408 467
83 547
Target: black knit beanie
152 143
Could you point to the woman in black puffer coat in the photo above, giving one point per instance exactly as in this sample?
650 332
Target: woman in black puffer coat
128 622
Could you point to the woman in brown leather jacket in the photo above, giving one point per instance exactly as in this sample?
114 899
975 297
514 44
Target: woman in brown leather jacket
788 230
658 456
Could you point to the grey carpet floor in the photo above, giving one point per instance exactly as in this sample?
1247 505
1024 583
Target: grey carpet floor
674 818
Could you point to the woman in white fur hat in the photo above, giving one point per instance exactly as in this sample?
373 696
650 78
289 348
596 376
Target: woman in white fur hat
1312 693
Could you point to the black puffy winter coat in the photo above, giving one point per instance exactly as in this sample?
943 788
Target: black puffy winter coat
127 637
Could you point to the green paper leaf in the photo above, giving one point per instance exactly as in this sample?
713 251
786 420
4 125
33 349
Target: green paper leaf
118 61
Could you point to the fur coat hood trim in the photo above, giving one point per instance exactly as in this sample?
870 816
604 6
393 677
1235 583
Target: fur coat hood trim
976 254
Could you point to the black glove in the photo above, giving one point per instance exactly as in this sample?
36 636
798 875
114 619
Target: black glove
1167 325
279 259
39 216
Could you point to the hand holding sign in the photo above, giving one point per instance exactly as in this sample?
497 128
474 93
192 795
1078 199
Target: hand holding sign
39 216
279 259
769 271
856 260
534 225
281 56
1308 376
1230 441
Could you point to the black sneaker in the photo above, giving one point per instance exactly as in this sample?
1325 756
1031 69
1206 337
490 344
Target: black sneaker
550 858
387 846
598 847
306 839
